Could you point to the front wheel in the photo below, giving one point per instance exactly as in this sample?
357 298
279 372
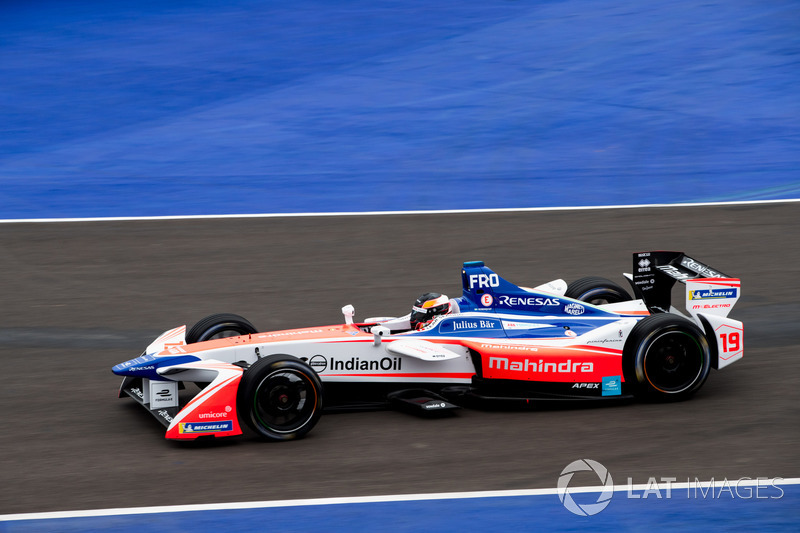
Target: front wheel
666 357
280 398
219 326
596 291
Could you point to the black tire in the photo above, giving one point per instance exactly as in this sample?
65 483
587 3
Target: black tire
666 357
218 326
596 291
280 398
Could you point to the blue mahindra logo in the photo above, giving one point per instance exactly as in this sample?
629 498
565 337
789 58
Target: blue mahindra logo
712 294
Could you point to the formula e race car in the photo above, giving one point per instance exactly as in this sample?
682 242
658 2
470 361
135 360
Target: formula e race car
588 340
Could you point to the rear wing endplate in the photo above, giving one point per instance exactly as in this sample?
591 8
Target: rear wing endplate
655 273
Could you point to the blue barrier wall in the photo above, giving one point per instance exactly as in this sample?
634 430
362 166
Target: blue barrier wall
199 107
685 511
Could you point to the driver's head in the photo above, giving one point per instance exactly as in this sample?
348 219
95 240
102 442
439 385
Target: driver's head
427 307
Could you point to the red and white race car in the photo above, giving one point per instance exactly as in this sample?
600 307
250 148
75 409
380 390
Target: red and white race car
588 340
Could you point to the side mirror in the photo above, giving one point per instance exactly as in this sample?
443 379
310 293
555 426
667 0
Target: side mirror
348 311
378 332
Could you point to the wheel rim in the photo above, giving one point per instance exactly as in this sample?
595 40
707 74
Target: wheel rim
284 401
673 361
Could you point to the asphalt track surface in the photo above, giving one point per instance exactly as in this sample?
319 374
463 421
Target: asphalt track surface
81 297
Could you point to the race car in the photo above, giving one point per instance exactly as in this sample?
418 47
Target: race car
587 340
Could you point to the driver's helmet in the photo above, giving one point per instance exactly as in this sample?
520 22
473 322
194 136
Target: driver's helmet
427 307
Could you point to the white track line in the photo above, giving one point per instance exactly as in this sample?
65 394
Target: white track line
386 213
743 482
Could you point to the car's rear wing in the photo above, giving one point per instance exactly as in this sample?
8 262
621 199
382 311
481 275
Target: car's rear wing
708 290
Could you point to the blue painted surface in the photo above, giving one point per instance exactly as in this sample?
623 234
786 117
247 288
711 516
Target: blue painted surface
719 512
199 107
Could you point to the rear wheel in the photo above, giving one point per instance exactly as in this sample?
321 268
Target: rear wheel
219 326
666 357
280 398
596 291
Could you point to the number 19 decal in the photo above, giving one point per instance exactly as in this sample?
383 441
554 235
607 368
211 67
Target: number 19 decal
731 342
